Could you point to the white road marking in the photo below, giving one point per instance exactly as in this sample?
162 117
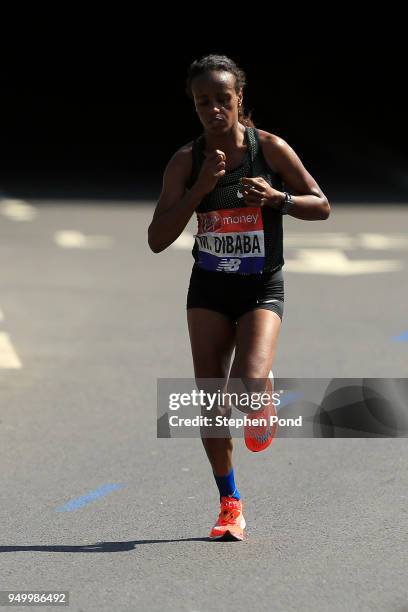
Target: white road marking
71 239
315 239
384 242
371 241
184 242
17 210
334 262
8 356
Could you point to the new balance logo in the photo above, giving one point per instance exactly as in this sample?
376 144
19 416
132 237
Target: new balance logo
229 264
263 438
266 301
231 504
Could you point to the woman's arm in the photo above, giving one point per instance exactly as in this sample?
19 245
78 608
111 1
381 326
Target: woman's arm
309 201
175 205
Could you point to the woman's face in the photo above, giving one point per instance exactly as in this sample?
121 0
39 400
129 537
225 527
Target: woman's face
216 100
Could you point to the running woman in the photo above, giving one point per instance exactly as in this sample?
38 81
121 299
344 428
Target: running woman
239 181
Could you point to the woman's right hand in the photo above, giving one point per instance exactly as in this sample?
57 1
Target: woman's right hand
212 169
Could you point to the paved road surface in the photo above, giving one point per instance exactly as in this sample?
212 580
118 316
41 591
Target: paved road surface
89 319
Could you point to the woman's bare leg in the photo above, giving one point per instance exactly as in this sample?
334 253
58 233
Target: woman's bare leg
256 340
212 339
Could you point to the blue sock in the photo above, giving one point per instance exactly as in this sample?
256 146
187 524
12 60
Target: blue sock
226 485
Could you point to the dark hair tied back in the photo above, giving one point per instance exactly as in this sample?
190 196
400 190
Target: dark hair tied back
221 63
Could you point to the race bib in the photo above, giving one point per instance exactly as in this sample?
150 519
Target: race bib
231 240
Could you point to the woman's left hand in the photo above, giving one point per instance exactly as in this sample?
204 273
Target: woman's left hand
258 192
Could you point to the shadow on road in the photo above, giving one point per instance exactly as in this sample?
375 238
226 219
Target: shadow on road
101 547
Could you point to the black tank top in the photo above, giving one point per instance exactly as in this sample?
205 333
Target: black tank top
232 237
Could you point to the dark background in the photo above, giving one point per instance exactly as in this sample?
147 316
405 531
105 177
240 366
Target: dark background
106 123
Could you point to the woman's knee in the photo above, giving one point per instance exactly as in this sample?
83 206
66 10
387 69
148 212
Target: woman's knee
212 343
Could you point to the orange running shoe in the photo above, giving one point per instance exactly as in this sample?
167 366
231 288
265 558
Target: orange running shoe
231 523
259 436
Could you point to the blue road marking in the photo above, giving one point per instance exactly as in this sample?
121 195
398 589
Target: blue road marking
402 337
288 398
73 504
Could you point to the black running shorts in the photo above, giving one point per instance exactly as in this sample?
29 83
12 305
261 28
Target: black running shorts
235 294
